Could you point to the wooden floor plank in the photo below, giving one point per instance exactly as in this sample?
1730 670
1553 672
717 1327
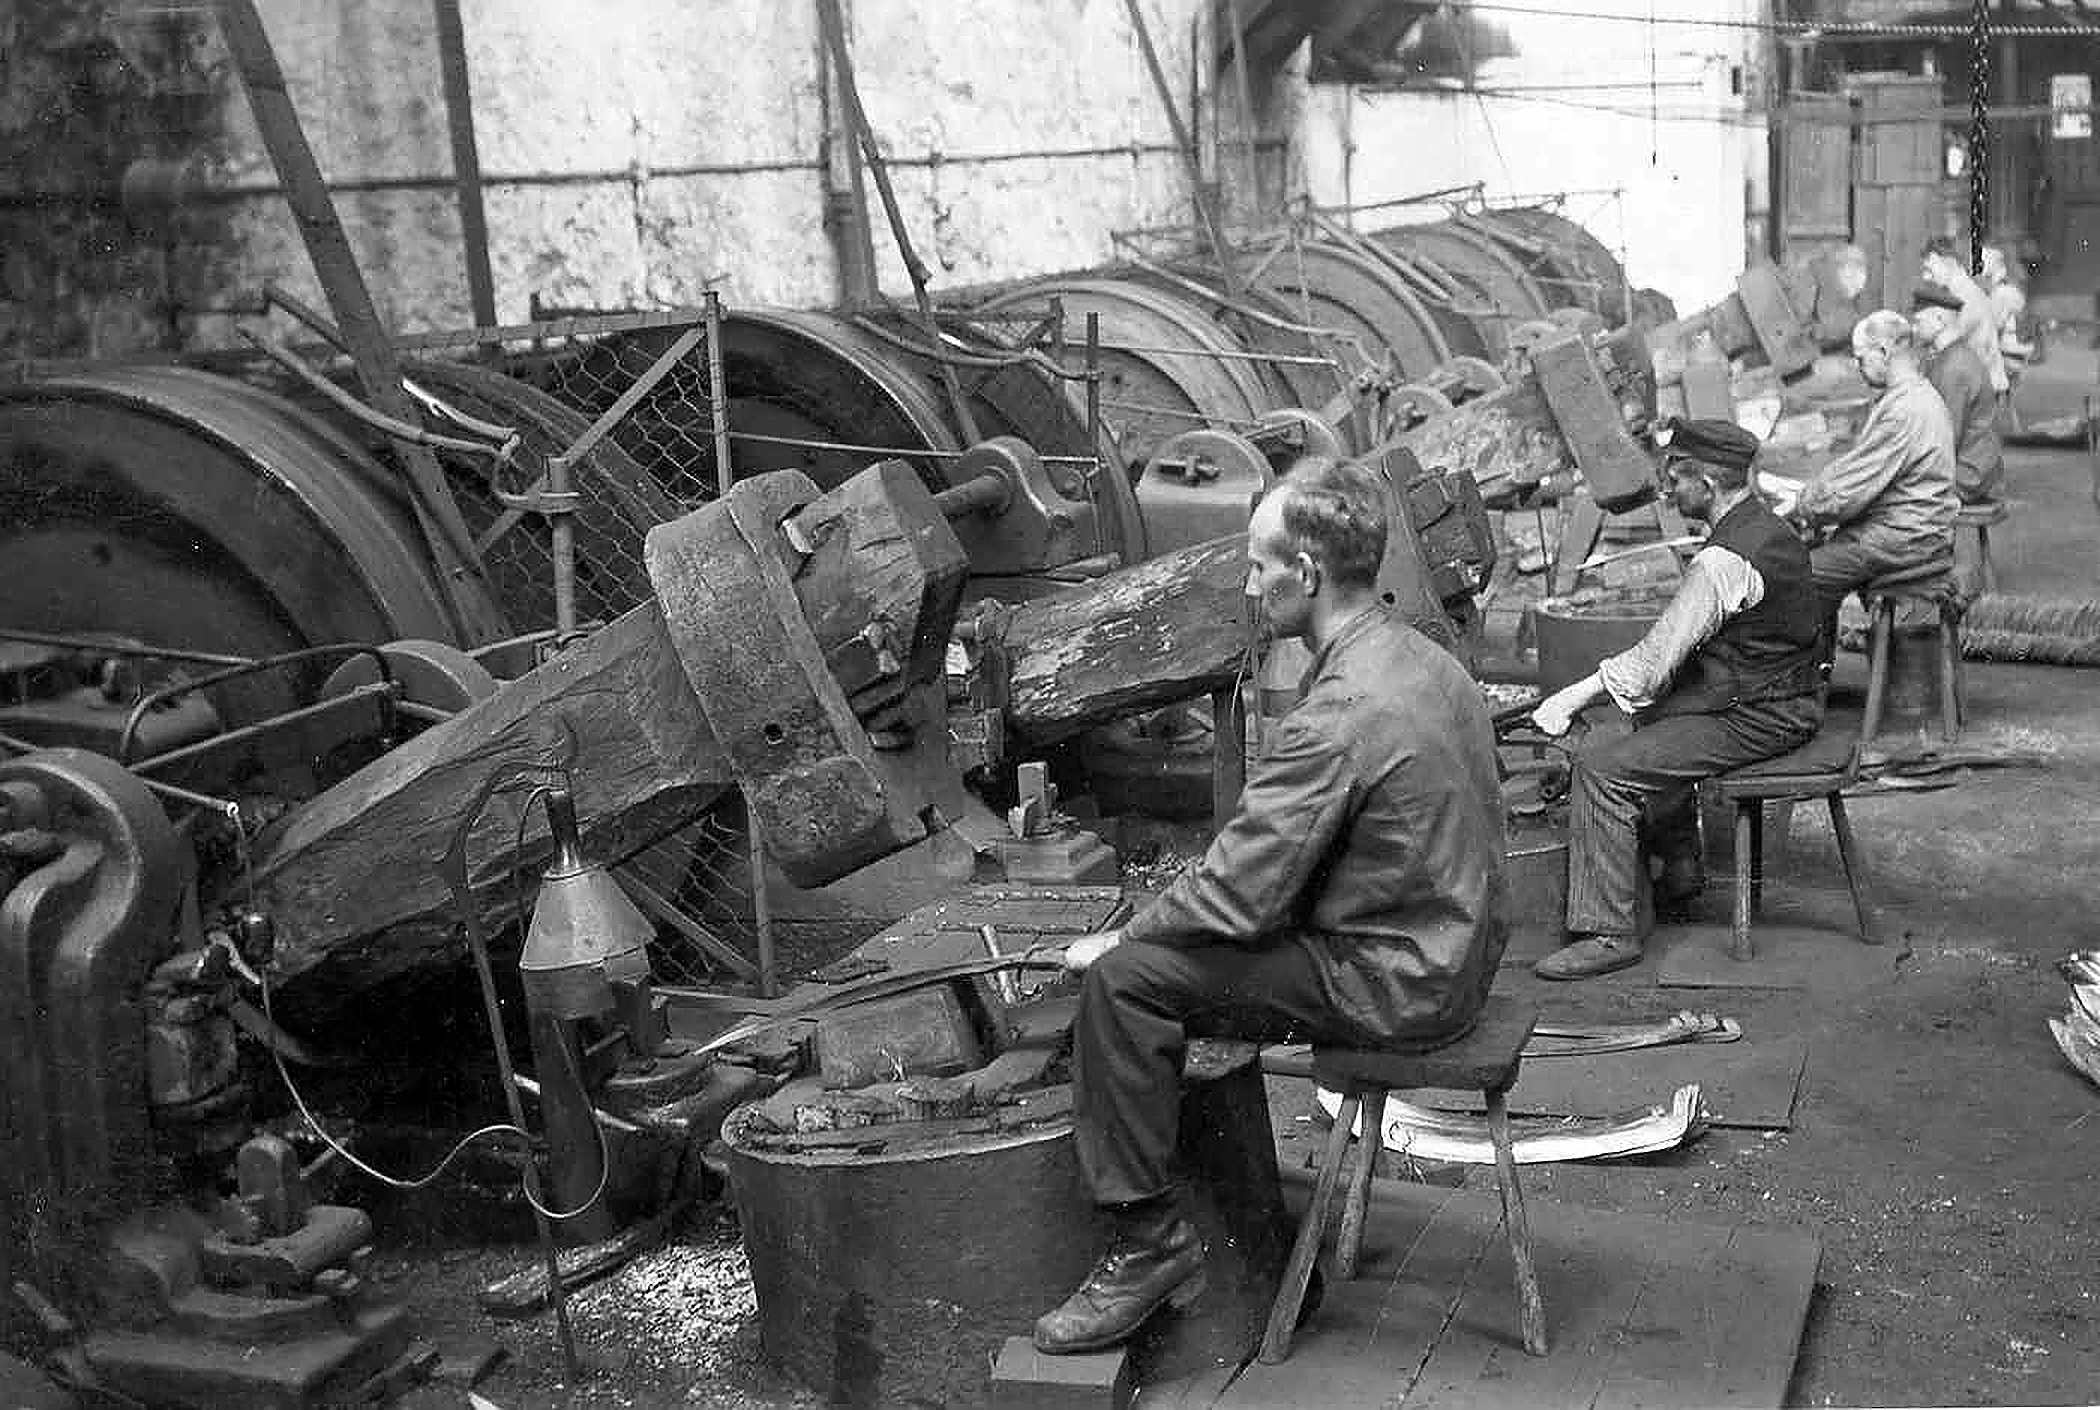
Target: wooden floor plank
1590 1277
1662 1357
1421 1247
1640 1312
1774 1274
1199 1391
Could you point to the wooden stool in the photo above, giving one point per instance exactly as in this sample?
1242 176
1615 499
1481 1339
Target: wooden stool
1932 584
1822 768
1980 517
1484 1060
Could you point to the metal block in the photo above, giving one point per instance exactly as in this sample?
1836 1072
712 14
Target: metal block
1025 1379
1620 474
1780 330
880 571
925 1033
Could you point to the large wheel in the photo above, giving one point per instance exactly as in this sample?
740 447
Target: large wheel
1151 389
1332 287
188 510
1504 290
1570 265
815 376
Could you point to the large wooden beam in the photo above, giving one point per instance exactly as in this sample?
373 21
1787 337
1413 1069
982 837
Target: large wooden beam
352 877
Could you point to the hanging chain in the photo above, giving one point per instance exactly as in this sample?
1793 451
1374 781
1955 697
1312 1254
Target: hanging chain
1979 129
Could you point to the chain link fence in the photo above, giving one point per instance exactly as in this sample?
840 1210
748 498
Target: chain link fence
618 411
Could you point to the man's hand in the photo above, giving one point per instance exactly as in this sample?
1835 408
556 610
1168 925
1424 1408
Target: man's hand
1088 948
1556 714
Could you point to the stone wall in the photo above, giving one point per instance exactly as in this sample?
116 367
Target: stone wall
637 151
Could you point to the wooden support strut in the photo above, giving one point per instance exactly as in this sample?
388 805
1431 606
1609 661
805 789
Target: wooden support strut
335 263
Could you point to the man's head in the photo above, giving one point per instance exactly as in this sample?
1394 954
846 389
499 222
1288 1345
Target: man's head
1851 262
1943 263
1708 460
1316 540
1995 269
1932 313
1882 344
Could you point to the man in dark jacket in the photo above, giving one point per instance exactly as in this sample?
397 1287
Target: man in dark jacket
1960 378
1357 895
1728 675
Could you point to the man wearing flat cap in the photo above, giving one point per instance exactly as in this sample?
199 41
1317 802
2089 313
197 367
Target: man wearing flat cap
1964 384
1730 674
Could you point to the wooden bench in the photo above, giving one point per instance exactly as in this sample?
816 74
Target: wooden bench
1822 768
1981 517
1485 1060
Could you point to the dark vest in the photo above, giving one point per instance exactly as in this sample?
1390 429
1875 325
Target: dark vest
1767 652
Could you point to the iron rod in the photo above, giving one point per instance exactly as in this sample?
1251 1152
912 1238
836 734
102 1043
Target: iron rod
718 394
466 162
107 648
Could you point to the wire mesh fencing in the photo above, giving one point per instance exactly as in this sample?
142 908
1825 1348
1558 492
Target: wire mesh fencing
616 431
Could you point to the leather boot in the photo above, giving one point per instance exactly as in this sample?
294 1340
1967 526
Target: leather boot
1154 1259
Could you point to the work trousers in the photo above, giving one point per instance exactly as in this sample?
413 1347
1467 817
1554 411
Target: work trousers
1639 788
1138 1007
1845 564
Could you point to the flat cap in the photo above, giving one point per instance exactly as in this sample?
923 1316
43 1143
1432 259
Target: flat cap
1933 296
1710 441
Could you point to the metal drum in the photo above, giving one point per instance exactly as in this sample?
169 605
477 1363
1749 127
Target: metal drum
185 509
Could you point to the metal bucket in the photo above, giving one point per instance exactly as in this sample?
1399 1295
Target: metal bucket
1575 633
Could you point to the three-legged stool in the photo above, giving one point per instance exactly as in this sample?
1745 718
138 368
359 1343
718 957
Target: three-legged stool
1485 1060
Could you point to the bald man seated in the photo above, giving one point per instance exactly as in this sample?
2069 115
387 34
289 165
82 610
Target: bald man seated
1888 503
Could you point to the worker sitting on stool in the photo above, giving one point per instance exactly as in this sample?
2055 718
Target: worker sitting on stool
1356 896
1729 674
1887 503
1958 375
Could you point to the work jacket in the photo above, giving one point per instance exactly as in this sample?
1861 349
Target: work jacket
1979 458
1370 833
1894 489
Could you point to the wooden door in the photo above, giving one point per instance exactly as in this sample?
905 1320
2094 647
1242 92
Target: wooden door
2070 233
1896 194
1815 192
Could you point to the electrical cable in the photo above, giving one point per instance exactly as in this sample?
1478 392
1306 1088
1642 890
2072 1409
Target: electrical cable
502 1128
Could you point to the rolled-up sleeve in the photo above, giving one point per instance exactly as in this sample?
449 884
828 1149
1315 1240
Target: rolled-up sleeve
1248 886
1717 584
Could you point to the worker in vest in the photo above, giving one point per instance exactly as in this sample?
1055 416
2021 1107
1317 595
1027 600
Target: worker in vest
1730 674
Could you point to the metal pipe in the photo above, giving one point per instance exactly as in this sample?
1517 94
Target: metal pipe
845 184
225 806
987 492
718 394
849 93
1185 144
561 529
109 648
466 162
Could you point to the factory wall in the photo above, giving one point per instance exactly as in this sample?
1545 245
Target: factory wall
1654 128
635 151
